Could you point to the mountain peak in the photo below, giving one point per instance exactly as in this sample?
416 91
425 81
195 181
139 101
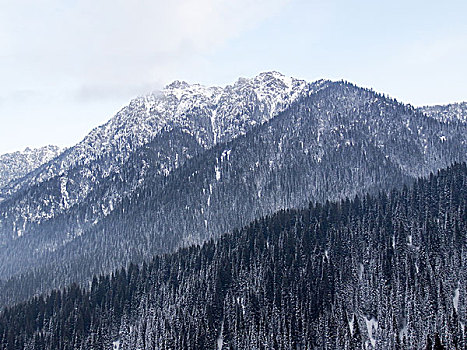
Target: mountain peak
272 75
263 83
181 89
177 84
268 79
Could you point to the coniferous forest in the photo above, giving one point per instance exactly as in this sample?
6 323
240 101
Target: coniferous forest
384 271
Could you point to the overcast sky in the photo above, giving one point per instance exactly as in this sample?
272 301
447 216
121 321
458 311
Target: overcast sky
67 66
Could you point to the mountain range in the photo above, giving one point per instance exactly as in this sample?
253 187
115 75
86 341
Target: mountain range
189 163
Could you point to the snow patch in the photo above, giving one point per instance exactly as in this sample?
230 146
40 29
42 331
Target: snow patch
404 330
213 125
360 271
220 338
455 299
148 105
225 155
64 192
372 327
116 345
351 325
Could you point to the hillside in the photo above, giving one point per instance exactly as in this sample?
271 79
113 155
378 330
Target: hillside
374 272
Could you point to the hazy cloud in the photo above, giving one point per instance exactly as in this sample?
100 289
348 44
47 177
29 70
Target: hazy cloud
88 93
116 42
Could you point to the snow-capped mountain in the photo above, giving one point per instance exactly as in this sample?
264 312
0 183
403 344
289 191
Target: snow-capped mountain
455 112
209 115
17 164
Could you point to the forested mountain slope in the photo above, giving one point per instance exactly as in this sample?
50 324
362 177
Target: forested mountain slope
337 142
374 272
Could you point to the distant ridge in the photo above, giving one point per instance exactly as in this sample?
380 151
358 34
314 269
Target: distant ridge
18 164
454 112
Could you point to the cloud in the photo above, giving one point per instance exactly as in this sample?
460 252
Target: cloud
90 93
120 42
